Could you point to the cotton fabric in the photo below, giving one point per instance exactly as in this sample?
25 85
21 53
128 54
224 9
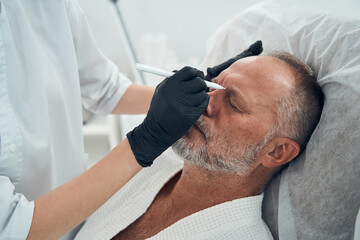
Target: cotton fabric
237 219
49 66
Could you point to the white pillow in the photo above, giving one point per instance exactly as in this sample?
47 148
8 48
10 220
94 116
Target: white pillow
318 195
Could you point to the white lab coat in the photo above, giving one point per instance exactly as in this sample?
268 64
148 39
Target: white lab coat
49 65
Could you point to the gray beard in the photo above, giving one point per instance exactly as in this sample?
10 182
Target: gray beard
234 160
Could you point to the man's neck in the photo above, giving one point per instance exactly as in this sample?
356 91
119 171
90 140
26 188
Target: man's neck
191 191
199 188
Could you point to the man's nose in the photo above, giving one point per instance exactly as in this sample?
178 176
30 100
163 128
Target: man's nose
215 103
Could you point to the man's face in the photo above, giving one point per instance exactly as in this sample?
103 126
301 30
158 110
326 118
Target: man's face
231 134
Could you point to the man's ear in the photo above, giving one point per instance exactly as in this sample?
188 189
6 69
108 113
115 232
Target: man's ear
280 152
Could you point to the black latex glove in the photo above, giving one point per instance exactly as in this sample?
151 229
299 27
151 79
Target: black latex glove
177 103
254 50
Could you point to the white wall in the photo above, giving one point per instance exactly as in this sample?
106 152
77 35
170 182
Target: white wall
188 23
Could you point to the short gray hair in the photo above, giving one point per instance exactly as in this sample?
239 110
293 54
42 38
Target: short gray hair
299 110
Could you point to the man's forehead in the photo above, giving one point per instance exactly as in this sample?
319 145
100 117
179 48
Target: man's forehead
255 62
260 79
264 70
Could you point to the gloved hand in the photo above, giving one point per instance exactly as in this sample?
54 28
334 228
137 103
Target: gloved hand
177 103
254 50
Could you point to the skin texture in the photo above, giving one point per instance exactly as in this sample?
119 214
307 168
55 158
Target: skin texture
136 100
235 119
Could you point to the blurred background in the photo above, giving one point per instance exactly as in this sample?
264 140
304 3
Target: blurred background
167 34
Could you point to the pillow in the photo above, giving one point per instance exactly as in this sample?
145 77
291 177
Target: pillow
318 195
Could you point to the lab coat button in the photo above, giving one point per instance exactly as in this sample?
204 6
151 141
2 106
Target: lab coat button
12 148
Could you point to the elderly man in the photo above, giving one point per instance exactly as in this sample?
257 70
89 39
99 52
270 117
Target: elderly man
249 131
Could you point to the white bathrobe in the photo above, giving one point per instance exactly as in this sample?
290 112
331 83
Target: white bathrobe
237 219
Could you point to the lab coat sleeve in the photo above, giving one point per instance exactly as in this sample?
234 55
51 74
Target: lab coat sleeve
357 227
16 212
102 85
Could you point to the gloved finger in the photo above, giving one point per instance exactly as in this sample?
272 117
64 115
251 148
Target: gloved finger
194 72
193 113
194 100
187 73
203 105
253 50
194 86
